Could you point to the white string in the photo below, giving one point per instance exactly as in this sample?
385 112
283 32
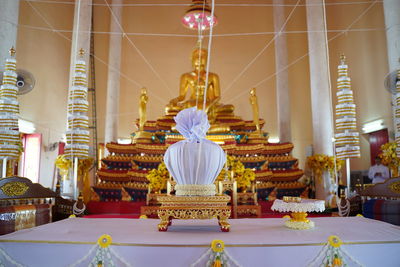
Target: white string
306 54
200 36
208 251
262 50
206 81
7 257
231 259
177 4
113 252
97 58
190 35
85 257
321 253
137 49
209 53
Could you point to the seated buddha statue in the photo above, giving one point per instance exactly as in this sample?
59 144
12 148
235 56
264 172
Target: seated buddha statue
195 82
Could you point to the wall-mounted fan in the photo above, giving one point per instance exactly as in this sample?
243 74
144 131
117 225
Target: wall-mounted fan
25 81
390 82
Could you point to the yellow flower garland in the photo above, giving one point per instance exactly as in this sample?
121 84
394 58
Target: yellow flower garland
243 176
389 157
320 163
217 245
104 241
158 178
335 241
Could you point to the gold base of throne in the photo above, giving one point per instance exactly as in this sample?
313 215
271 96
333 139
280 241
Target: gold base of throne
194 207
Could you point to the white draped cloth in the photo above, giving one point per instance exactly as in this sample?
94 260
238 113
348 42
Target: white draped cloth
251 242
195 160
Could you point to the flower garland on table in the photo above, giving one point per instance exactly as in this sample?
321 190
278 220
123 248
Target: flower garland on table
333 255
104 254
389 157
243 176
158 178
319 163
218 256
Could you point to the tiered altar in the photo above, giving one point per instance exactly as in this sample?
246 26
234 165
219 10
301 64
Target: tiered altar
123 173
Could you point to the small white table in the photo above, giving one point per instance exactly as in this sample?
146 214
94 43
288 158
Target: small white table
298 217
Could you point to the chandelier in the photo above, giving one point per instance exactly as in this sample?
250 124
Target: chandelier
198 16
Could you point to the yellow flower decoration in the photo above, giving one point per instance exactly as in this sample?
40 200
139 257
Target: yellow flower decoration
143 217
72 216
359 215
286 217
335 241
104 241
217 245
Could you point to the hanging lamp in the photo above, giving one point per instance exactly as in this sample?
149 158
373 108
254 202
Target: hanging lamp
198 16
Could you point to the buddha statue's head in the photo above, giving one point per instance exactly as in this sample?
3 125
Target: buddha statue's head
253 92
143 91
199 59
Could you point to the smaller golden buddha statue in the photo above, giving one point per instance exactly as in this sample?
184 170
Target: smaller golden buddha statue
195 82
141 134
254 105
142 108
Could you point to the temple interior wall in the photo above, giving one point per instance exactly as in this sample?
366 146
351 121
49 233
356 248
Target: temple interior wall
47 55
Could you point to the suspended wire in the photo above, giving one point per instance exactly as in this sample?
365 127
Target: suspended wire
180 4
137 49
264 48
306 54
97 58
187 35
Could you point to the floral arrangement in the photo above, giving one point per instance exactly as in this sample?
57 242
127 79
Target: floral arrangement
158 178
243 176
389 157
319 163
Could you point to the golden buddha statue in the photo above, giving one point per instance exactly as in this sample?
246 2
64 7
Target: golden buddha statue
142 108
195 81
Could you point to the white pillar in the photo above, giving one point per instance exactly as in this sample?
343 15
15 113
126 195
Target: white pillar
320 88
9 11
80 39
391 9
81 33
113 79
282 77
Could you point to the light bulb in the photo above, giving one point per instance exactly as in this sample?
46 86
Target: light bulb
187 18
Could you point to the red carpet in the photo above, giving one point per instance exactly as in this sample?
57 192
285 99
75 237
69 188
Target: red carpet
123 209
114 207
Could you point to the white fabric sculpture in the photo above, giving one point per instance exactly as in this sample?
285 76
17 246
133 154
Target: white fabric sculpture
194 162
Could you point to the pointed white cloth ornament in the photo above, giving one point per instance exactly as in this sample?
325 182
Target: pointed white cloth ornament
194 162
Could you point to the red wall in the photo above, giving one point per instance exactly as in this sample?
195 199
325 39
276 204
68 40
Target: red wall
376 139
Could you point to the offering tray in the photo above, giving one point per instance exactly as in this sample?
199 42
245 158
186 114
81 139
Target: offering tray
194 207
298 208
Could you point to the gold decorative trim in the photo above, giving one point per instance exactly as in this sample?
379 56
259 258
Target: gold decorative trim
193 245
196 207
395 187
13 189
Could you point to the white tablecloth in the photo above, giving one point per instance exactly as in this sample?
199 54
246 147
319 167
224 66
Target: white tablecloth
251 242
